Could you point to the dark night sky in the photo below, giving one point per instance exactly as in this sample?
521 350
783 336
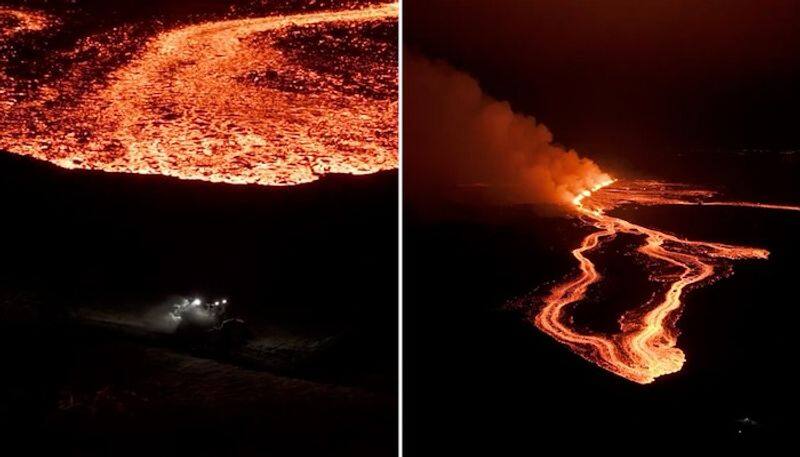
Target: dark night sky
627 74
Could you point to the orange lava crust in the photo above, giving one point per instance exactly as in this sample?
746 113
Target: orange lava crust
183 108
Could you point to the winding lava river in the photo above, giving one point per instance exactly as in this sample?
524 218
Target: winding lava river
645 347
184 107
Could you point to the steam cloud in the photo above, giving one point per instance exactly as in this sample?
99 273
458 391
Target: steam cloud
457 136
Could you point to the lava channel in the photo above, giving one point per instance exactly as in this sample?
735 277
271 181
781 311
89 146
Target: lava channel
646 345
185 107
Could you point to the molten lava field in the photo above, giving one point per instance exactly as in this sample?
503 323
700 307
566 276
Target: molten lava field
239 98
279 120
504 270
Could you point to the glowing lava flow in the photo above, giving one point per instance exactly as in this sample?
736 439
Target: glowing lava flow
24 21
645 347
186 107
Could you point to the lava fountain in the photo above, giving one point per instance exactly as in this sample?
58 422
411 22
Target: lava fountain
646 345
218 101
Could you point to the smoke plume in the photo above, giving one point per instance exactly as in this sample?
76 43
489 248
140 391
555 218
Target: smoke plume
456 136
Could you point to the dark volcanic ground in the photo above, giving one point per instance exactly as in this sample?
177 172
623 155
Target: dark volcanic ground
312 269
480 379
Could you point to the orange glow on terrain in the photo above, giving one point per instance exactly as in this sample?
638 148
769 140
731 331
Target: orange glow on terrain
20 21
218 101
646 345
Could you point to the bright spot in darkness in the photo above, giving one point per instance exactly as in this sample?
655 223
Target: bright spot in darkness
197 311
